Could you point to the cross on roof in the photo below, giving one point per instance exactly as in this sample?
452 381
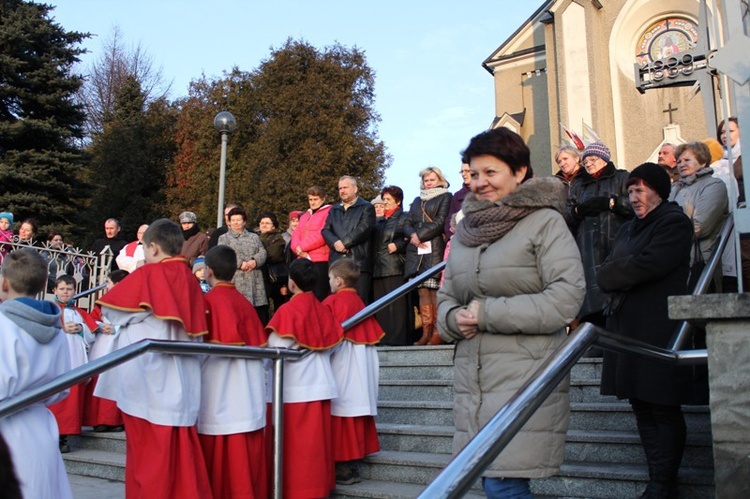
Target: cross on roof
669 110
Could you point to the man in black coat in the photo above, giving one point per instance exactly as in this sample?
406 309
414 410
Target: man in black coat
112 238
348 231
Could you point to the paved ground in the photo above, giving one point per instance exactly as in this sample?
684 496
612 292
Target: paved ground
96 488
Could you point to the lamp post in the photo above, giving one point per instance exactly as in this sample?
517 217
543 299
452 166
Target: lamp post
225 124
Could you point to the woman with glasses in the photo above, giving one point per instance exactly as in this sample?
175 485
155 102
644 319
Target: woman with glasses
597 207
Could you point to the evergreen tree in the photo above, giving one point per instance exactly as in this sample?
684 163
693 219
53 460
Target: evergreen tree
129 158
40 123
305 117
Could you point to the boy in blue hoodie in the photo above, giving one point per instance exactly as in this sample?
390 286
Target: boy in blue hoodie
33 350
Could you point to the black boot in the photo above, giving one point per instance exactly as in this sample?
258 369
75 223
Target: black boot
64 447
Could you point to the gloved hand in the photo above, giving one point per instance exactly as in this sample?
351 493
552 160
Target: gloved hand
593 206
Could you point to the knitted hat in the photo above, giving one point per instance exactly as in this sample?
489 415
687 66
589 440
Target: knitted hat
654 176
8 215
717 152
377 200
199 263
295 214
597 149
188 217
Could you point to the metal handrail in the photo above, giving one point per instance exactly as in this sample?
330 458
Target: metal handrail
386 300
465 468
683 332
79 374
87 292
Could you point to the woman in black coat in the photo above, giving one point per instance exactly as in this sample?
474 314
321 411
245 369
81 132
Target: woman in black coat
597 207
424 228
649 262
388 272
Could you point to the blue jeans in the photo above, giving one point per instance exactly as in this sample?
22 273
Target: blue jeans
507 488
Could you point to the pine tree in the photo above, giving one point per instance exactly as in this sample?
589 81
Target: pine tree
40 123
129 158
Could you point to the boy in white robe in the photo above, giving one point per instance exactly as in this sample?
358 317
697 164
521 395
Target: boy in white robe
33 351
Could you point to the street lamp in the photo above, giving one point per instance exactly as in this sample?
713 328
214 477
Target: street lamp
224 124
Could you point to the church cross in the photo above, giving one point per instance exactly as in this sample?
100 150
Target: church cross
670 110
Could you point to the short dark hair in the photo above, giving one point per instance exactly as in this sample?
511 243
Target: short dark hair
26 271
316 190
237 211
166 234
302 272
51 234
118 275
222 260
505 145
395 191
65 279
271 215
347 269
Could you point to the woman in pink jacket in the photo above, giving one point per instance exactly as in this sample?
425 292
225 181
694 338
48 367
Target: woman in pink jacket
307 239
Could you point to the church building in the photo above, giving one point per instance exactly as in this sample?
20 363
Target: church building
575 63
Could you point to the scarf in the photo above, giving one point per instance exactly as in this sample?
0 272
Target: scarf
427 194
389 213
485 222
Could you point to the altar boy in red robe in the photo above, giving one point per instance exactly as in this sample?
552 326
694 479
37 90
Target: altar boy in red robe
232 418
159 394
356 369
304 323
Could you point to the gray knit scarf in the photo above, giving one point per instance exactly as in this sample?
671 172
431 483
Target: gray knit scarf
427 194
485 222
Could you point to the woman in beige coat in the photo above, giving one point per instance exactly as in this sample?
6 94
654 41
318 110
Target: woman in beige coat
514 280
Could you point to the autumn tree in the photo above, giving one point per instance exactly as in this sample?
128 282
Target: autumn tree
40 122
305 117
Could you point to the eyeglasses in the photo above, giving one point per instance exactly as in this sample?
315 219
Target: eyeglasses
591 160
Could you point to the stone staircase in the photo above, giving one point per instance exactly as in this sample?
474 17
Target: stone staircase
603 456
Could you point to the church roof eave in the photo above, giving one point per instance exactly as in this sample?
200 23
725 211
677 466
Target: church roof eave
494 57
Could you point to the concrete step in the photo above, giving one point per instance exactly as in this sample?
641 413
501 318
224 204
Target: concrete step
618 415
607 480
95 463
111 442
377 489
86 487
591 446
576 479
430 413
427 355
437 363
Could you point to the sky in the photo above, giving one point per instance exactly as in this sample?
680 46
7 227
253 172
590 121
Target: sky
431 90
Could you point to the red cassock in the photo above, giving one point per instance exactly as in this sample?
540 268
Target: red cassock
354 437
161 460
69 412
235 462
309 469
96 410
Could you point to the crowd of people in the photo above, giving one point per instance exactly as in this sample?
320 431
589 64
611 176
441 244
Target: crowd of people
528 258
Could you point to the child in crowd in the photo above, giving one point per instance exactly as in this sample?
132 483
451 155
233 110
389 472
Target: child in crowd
232 418
79 327
199 271
355 367
309 386
33 351
159 394
6 233
100 413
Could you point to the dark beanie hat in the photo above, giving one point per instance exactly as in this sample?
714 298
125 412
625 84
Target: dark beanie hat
654 176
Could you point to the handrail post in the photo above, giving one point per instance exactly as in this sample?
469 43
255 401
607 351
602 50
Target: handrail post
278 427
